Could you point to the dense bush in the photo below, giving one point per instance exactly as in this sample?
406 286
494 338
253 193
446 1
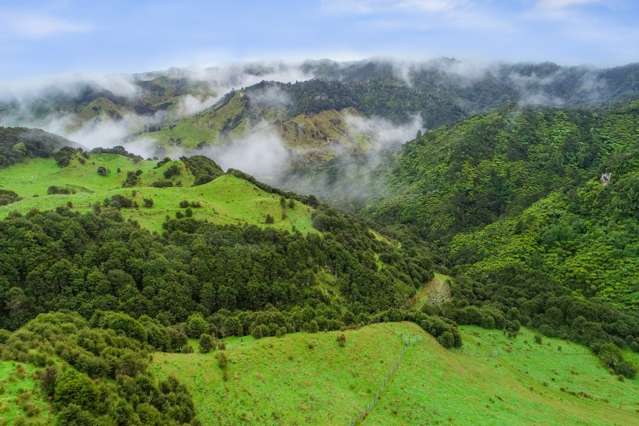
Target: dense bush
95 372
97 261
61 190
171 171
202 168
120 201
8 197
132 179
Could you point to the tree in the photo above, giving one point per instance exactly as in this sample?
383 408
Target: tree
196 325
446 339
206 343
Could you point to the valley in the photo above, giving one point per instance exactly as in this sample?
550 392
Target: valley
367 242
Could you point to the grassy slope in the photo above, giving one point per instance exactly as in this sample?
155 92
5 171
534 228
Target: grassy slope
320 132
12 384
226 200
204 127
435 292
491 380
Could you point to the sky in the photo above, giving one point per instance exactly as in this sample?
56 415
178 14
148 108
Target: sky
52 37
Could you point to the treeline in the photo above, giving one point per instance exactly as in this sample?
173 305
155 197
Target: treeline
63 260
308 200
515 295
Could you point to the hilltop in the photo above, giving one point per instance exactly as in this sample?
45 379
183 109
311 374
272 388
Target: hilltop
143 192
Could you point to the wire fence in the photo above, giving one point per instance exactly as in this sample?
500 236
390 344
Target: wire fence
407 343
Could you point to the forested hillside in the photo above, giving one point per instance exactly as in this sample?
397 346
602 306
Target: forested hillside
534 212
468 175
106 257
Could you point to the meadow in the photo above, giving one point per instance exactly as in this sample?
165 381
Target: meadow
225 200
395 373
20 395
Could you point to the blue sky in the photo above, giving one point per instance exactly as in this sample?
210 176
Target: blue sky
39 38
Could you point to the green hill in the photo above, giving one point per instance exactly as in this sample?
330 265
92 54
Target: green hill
314 137
398 374
468 175
227 199
20 143
547 192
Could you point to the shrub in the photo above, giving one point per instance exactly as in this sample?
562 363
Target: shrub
206 343
73 387
612 358
102 171
269 219
119 201
162 184
64 155
341 339
260 331
196 325
132 179
53 189
148 203
184 204
201 180
48 378
222 360
173 170
8 197
446 339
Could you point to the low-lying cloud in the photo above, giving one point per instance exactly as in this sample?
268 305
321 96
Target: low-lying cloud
260 152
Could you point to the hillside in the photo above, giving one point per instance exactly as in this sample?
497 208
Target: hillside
19 143
313 137
42 184
536 192
310 379
462 177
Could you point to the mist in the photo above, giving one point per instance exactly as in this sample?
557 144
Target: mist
261 152
50 104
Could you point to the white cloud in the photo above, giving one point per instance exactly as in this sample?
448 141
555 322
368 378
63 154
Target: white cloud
375 6
563 4
33 25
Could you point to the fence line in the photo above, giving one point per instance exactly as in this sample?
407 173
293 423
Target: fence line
407 342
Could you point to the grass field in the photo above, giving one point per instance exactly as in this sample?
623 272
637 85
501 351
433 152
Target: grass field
20 395
206 127
226 200
309 379
436 292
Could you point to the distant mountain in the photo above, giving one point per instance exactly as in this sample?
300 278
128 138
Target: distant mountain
440 92
318 127
19 143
